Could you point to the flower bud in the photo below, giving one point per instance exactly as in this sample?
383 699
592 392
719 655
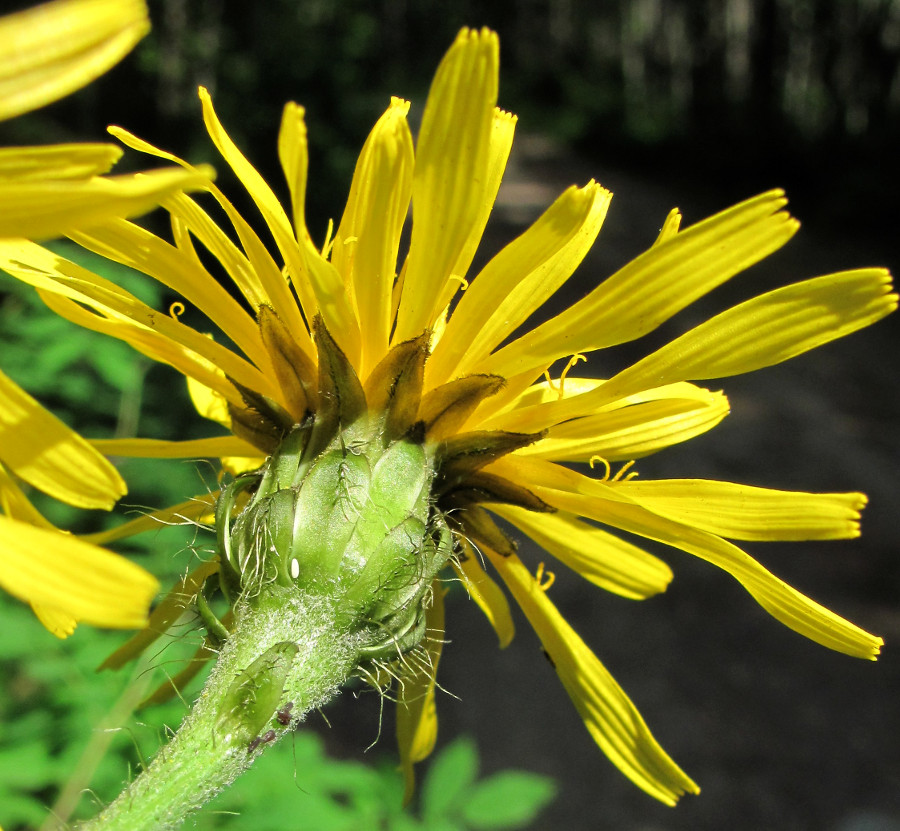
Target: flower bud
355 523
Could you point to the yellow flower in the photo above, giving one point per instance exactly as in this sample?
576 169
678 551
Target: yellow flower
358 331
45 53
50 51
64 579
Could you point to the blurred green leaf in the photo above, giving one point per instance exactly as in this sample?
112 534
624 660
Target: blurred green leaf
450 775
21 810
28 767
509 799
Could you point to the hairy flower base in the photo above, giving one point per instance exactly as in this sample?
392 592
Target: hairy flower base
353 523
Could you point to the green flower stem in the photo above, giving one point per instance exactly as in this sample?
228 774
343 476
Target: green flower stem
285 647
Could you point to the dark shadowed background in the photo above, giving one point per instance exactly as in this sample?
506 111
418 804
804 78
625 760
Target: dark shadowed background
688 104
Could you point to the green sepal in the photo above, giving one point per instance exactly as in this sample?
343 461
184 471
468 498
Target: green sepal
259 535
294 369
397 620
467 452
342 402
486 487
253 697
329 503
481 529
394 387
229 573
284 469
399 488
263 422
392 568
446 408
216 631
254 428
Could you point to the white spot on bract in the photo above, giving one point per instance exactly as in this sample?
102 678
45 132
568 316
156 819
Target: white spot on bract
295 569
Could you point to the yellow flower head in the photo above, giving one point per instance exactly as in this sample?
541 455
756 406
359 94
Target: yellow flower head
357 344
46 53
65 580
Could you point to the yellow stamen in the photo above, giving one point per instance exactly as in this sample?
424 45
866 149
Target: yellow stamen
560 390
539 577
622 470
562 375
176 310
607 470
329 239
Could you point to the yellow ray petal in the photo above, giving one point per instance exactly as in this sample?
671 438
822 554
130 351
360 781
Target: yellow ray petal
293 153
135 247
174 685
548 404
59 623
763 331
503 129
271 279
130 140
167 612
51 50
670 227
656 285
40 449
233 260
16 505
569 491
545 392
487 594
368 238
209 403
605 560
760 332
72 577
610 717
519 280
304 262
44 209
121 314
309 271
264 283
212 448
742 512
451 174
416 711
148 342
631 431
503 399
57 161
